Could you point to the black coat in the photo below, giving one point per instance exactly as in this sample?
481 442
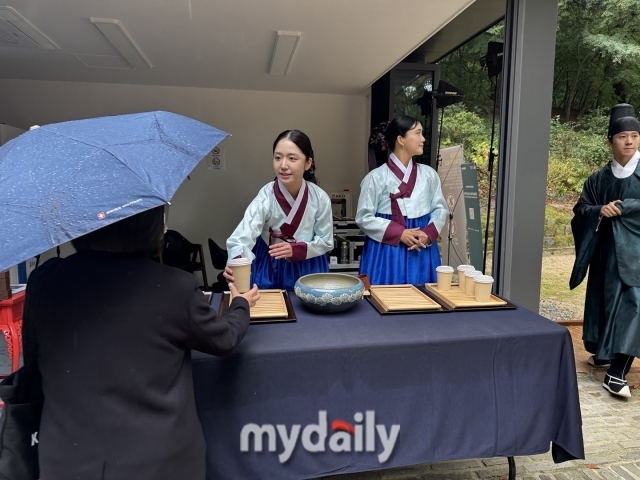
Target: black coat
114 334
609 248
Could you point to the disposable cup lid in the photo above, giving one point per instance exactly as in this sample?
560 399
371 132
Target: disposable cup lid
472 273
483 279
238 262
444 269
466 267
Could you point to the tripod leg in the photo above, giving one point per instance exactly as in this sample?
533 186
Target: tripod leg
491 159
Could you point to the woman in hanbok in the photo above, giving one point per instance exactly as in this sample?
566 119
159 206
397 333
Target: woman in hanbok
287 229
401 209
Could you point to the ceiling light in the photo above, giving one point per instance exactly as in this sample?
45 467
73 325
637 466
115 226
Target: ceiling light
102 61
283 51
16 31
122 41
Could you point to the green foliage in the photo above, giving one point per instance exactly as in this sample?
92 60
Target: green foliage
462 69
556 216
556 225
597 65
576 149
597 55
565 179
467 128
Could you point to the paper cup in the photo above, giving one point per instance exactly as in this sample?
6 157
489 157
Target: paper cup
461 270
241 268
469 284
444 273
483 285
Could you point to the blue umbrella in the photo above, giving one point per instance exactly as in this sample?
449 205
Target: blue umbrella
63 180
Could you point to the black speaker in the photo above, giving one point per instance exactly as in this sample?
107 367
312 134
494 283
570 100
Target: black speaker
493 59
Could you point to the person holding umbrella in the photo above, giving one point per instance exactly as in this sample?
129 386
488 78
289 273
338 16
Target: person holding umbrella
107 331
113 332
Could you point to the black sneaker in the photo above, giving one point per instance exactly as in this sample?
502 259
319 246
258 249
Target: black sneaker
617 386
598 363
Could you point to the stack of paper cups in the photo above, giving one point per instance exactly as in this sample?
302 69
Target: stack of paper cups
444 273
483 284
469 284
461 270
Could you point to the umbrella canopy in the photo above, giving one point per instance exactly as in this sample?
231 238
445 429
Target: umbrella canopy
63 180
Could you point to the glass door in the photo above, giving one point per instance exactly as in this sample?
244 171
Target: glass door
412 86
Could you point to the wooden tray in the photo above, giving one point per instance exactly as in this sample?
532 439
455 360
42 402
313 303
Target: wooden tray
456 299
393 299
273 306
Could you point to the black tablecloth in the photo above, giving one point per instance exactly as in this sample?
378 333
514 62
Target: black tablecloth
460 385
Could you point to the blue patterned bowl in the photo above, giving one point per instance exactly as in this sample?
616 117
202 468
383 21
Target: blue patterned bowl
329 292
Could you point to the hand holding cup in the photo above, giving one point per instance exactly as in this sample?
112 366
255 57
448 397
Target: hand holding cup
252 296
228 275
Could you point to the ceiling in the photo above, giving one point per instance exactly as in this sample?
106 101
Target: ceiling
470 23
345 45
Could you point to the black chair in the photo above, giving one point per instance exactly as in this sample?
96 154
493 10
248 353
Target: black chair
181 253
219 260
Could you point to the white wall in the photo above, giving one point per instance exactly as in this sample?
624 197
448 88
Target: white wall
212 202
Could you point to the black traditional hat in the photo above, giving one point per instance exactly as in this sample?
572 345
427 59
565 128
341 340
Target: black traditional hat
623 119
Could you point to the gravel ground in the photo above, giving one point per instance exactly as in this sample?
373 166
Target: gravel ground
557 302
559 311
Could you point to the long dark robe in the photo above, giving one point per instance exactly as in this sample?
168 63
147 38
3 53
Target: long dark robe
610 249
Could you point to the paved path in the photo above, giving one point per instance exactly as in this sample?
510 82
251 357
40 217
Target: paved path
581 355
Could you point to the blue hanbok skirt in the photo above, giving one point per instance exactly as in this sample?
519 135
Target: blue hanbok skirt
388 265
284 273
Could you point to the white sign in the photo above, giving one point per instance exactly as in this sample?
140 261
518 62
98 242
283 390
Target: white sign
454 233
215 160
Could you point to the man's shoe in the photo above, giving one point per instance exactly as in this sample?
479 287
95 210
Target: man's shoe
617 386
598 363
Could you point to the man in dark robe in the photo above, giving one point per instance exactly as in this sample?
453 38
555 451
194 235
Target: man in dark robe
606 230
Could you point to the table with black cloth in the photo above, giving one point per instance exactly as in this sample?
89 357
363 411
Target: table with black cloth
460 385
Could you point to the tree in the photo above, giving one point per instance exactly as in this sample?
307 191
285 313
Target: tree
462 69
597 55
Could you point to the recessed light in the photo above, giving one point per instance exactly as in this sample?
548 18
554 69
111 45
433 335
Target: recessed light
283 51
122 41
102 61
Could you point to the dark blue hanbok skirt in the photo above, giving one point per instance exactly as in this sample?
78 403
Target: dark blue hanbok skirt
388 265
284 273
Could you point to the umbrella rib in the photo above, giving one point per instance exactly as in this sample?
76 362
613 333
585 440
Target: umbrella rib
105 150
166 138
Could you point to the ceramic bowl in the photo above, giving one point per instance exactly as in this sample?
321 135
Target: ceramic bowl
329 292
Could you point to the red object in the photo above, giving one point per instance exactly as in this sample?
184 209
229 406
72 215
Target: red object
11 324
342 425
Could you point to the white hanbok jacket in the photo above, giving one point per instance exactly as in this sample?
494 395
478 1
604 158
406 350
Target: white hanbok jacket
412 193
305 223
